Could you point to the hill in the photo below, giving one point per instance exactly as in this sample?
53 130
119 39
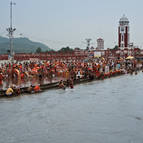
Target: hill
21 45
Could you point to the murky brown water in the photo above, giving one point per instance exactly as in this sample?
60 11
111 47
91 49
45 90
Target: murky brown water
109 111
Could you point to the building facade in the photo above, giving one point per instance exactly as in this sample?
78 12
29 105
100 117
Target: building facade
100 44
123 33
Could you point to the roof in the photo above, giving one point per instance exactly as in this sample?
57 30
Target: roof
124 19
100 39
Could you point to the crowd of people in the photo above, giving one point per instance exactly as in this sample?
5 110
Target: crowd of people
32 74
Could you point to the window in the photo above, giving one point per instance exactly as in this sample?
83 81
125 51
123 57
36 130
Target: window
122 38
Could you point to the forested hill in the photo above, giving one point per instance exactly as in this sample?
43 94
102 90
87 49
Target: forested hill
21 45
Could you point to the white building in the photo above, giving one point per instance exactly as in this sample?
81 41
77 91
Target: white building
100 44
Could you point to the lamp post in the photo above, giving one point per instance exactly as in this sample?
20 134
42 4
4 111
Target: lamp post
88 43
11 31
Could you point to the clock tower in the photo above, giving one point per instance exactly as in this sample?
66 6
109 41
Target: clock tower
123 33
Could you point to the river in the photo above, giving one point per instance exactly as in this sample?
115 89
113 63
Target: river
107 111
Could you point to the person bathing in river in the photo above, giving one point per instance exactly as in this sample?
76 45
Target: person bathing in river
61 85
68 83
16 90
30 89
71 83
9 91
37 88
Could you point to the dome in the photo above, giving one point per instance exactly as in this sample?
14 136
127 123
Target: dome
124 19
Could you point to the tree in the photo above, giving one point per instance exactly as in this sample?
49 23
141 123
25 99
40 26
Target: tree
66 49
116 47
38 50
8 51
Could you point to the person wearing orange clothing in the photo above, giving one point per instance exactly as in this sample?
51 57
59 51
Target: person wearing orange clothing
37 88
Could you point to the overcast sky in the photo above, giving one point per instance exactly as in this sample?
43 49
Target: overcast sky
61 23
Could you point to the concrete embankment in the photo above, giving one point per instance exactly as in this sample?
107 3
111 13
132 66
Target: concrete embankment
55 85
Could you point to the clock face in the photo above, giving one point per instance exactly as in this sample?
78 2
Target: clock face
122 29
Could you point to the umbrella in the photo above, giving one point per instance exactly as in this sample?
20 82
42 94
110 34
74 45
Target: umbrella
129 58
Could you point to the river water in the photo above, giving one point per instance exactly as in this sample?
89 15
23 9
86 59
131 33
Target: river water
107 111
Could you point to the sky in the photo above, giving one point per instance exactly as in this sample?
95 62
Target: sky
62 23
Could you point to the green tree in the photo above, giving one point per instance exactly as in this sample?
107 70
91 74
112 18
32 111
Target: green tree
66 49
38 50
116 47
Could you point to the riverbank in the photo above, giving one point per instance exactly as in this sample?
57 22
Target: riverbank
32 77
55 85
